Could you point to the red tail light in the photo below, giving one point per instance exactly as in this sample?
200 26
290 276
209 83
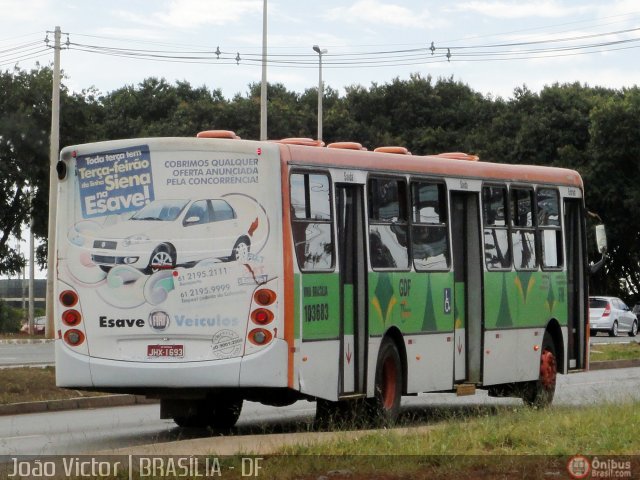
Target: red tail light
264 297
607 310
262 316
71 318
68 298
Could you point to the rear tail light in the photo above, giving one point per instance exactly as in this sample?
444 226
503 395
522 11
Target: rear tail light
68 298
607 310
262 316
264 297
71 318
260 336
74 337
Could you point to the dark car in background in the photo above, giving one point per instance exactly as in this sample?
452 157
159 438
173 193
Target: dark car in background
611 315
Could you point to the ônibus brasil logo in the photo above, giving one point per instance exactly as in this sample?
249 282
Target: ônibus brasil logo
579 467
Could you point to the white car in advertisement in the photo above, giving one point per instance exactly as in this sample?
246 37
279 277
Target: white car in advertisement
166 233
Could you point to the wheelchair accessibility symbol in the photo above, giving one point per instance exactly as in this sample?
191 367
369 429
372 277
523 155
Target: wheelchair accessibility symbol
447 300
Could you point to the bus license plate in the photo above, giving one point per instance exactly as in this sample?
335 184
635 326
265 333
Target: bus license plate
165 350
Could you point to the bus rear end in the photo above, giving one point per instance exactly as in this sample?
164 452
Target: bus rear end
169 272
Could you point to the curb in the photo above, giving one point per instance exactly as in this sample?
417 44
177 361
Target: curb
614 364
25 341
74 404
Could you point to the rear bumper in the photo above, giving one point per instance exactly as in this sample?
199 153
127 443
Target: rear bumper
267 368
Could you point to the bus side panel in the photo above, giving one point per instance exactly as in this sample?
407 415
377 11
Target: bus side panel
318 314
419 305
518 306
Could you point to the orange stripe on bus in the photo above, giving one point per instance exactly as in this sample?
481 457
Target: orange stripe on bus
434 165
289 310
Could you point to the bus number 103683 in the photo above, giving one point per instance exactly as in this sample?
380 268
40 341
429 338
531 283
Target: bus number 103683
316 312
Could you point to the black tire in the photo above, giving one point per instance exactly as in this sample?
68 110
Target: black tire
162 258
539 393
385 404
241 250
593 333
614 329
224 413
218 414
634 329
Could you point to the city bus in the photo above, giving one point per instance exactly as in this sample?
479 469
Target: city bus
210 270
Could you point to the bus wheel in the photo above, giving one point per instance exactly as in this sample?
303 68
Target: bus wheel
224 412
388 387
539 393
218 414
161 259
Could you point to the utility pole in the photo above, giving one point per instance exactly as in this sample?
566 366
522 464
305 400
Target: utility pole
320 52
263 85
54 150
31 265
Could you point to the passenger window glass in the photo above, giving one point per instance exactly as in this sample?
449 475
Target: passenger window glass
497 250
386 200
523 238
311 221
388 226
197 214
222 211
548 202
429 240
310 196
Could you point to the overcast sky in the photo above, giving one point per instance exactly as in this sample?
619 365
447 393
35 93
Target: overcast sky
495 45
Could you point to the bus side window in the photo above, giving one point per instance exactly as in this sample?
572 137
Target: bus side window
429 242
497 250
523 237
388 225
550 230
311 221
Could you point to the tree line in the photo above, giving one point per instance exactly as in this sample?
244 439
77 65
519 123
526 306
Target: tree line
593 130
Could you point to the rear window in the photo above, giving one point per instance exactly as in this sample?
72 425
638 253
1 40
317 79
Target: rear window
597 303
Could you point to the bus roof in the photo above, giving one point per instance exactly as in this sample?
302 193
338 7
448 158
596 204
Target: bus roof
428 165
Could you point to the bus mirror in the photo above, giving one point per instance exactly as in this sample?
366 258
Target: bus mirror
601 239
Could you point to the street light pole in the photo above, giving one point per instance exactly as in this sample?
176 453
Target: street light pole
316 49
263 84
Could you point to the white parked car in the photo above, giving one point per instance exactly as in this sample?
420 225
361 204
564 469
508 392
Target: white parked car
611 315
166 233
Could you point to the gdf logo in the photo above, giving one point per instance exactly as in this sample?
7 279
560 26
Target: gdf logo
579 467
159 320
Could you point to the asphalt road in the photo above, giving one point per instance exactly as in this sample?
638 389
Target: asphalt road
87 431
26 354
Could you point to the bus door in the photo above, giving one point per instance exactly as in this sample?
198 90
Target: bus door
577 301
467 298
353 288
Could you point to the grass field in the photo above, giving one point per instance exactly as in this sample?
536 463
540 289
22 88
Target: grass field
615 351
33 384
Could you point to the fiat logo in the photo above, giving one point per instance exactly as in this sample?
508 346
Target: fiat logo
159 321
